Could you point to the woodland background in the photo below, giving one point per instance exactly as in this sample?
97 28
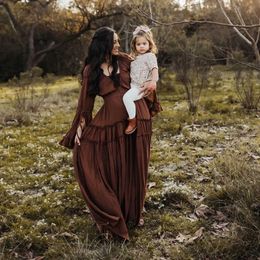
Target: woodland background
40 33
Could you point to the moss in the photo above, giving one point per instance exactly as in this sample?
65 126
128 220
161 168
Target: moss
182 177
167 198
218 107
174 225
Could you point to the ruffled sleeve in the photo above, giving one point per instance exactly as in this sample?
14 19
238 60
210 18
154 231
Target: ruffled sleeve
84 111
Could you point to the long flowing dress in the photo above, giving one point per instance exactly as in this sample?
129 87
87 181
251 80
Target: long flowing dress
110 166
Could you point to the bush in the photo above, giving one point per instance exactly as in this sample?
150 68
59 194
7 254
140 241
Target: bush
247 88
30 92
27 99
216 78
192 68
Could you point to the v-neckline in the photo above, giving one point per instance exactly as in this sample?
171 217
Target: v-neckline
109 76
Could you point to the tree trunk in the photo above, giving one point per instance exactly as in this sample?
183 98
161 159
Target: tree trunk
127 39
192 107
31 49
27 41
257 53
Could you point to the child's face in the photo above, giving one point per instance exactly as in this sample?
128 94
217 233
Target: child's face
141 45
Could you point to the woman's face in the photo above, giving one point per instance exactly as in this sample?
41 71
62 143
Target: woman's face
115 50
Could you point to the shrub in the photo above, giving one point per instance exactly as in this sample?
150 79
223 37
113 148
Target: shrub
27 99
247 89
192 68
216 78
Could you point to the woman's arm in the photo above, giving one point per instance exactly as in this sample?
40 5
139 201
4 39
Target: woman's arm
80 128
85 107
83 114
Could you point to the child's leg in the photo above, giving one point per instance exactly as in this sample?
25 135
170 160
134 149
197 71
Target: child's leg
129 97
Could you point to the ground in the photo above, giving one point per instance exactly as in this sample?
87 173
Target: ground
203 197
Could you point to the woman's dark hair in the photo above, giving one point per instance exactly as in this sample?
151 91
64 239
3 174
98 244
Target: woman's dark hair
99 50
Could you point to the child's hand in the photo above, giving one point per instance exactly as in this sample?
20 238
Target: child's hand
148 87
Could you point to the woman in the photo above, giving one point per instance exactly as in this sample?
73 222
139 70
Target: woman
110 167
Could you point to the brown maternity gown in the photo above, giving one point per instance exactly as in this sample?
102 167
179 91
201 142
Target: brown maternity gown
111 167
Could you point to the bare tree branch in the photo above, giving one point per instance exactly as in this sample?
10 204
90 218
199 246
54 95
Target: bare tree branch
27 39
230 22
82 10
13 22
240 18
76 35
123 25
41 57
231 57
250 40
31 46
258 34
43 4
150 10
141 12
190 54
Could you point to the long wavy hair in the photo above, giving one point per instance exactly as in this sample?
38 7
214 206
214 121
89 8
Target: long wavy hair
100 50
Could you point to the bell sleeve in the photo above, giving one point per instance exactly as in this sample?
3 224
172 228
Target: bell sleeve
83 112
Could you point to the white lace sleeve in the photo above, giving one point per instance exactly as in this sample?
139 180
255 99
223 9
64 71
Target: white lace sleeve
151 61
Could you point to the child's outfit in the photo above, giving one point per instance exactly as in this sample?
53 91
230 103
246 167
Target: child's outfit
141 69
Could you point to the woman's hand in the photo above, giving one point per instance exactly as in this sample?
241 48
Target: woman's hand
79 131
78 135
148 87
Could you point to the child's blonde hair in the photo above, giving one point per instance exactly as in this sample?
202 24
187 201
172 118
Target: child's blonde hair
145 32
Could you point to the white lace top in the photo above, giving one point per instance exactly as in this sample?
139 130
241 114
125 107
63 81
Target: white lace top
141 68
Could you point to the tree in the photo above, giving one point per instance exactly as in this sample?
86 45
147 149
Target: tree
252 39
192 60
26 17
208 17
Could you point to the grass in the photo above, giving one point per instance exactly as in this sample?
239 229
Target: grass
211 159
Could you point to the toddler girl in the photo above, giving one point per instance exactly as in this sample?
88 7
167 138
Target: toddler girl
144 68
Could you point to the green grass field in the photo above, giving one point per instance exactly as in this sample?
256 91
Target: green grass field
203 199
